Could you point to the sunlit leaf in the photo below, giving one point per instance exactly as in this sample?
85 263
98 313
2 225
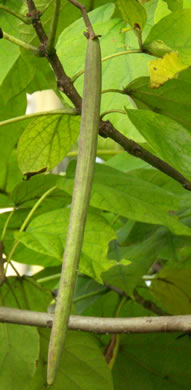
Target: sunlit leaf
46 141
132 12
173 31
165 69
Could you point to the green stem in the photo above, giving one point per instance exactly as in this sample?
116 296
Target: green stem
112 111
24 19
113 90
37 114
3 236
53 27
26 222
90 295
6 224
14 269
116 336
149 277
46 7
100 152
22 44
121 53
48 278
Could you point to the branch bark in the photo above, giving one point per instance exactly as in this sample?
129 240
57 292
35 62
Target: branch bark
100 325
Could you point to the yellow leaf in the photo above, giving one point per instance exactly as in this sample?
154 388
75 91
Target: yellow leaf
164 69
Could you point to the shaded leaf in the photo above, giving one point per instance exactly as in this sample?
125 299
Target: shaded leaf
174 5
46 234
19 354
130 197
168 138
172 99
172 289
24 293
34 188
141 257
154 361
82 367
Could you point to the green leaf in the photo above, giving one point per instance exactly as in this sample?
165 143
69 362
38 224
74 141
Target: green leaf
19 353
186 4
154 361
127 276
20 344
173 31
171 288
24 293
46 140
175 5
123 68
23 254
85 286
9 52
5 201
125 162
9 136
168 138
162 10
82 367
13 173
172 99
33 189
46 234
132 12
67 14
130 197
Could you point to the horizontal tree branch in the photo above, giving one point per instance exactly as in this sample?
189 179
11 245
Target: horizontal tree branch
100 325
106 128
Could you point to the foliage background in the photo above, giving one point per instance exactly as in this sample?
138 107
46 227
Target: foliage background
138 226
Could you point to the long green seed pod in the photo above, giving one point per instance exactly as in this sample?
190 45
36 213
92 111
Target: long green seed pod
81 195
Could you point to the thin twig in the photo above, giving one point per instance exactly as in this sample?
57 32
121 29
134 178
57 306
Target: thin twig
18 42
16 14
149 305
117 110
53 27
63 81
121 53
85 16
180 323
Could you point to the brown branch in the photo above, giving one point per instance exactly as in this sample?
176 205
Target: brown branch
149 305
63 81
100 325
106 128
85 16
